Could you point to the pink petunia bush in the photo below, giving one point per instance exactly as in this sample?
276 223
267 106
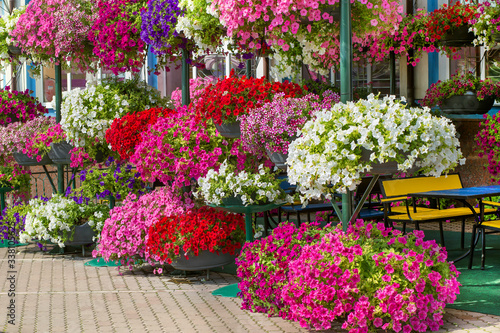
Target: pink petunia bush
263 266
56 30
40 143
115 35
372 278
125 232
178 148
273 126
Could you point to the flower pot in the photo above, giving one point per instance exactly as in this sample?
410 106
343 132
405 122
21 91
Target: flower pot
384 168
23 160
80 235
232 201
459 37
229 130
204 260
279 159
467 104
14 50
60 152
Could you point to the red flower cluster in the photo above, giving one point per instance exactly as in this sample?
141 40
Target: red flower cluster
124 133
224 101
197 230
448 18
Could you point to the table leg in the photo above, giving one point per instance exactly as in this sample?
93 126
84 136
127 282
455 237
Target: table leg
232 290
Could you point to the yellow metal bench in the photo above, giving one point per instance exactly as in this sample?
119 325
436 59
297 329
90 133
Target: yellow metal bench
397 190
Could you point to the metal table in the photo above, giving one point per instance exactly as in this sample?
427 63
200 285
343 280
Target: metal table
462 195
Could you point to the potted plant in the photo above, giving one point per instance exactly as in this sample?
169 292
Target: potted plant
9 53
63 221
56 32
406 288
18 106
224 101
198 239
339 145
87 113
462 94
411 38
125 133
448 26
51 142
228 187
486 24
487 140
13 139
270 128
115 35
125 233
178 149
115 179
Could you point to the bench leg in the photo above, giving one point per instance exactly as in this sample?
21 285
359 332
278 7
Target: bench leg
266 224
298 220
288 217
404 228
472 245
309 217
483 240
279 215
441 232
462 237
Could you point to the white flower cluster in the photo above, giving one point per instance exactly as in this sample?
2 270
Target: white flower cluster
327 155
7 24
87 113
253 188
47 221
483 29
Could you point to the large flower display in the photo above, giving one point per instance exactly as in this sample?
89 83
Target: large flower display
327 155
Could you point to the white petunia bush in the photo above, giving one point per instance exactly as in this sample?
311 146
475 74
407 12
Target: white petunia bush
253 188
52 220
327 155
87 113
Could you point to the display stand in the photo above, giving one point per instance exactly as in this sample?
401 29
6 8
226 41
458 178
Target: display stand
232 290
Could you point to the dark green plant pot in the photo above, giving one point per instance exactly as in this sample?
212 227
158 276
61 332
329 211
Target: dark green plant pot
467 104
60 152
232 201
278 159
229 130
390 167
80 235
24 160
459 37
204 260
14 50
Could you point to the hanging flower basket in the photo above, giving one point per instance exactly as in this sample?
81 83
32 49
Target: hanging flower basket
204 260
81 235
229 130
279 159
23 160
460 37
14 50
232 201
60 152
467 104
389 167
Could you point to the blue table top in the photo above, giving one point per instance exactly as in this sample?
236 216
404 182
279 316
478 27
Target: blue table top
461 193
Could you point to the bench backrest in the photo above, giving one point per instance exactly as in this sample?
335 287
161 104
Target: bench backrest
398 189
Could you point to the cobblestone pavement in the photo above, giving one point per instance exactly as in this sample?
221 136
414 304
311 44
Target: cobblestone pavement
57 293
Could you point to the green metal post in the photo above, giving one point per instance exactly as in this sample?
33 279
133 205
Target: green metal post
2 201
392 69
60 167
345 84
112 201
248 225
185 77
248 69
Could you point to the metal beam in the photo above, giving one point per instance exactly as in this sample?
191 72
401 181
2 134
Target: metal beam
185 77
